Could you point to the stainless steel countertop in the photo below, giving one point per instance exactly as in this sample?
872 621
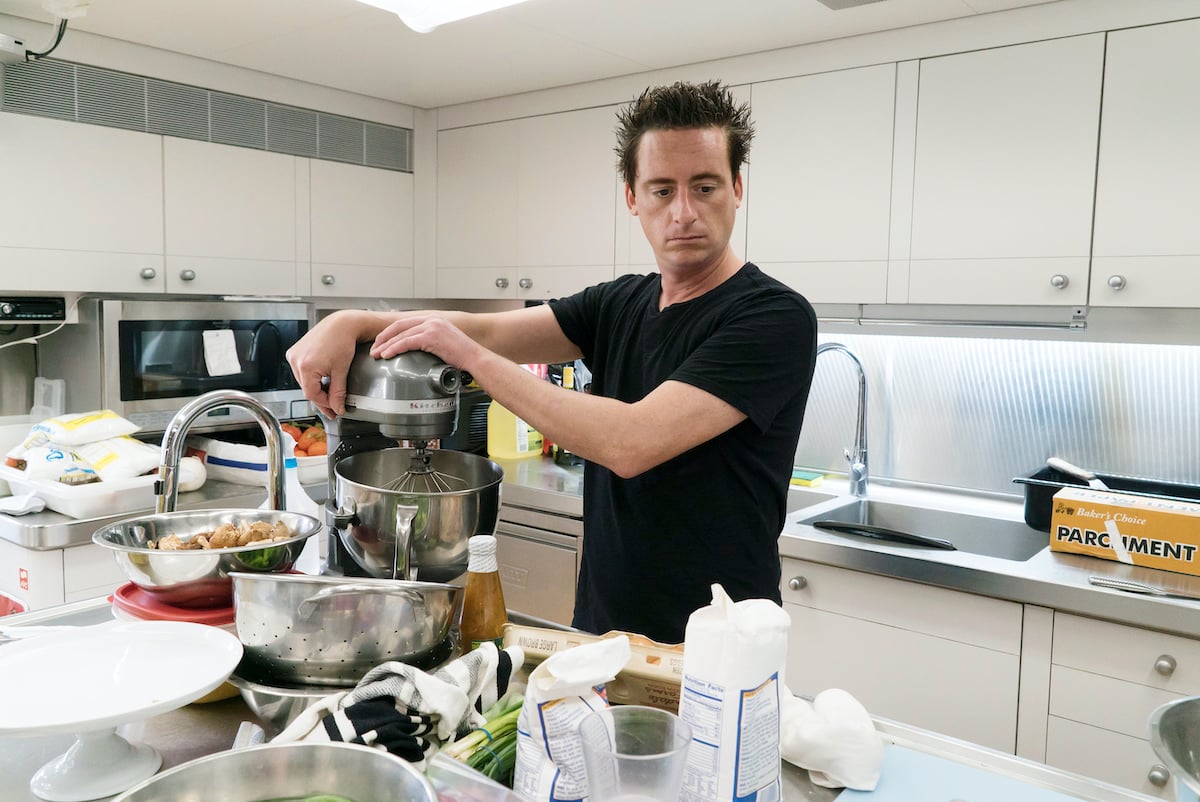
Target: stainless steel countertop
1049 579
535 483
200 729
45 530
539 483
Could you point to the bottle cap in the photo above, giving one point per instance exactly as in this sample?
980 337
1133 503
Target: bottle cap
482 551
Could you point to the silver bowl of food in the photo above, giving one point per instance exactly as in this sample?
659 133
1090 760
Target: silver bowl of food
288 771
185 558
324 630
277 706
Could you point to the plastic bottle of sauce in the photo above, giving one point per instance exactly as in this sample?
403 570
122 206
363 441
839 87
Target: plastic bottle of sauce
483 612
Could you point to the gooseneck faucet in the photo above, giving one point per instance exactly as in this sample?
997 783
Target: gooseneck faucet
167 486
858 457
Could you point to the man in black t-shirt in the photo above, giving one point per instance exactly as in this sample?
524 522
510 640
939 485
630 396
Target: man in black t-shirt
700 376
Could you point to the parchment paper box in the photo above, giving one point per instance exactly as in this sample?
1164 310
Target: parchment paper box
651 677
1156 533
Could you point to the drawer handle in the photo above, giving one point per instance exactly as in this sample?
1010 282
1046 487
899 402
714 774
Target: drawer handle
1158 775
797 583
1165 665
148 273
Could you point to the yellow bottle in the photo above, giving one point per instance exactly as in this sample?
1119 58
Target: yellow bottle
509 437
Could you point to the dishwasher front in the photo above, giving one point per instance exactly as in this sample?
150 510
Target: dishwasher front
538 552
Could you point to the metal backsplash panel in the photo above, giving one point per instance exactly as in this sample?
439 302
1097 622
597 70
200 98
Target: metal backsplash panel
975 413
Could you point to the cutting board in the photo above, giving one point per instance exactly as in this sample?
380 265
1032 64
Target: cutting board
910 776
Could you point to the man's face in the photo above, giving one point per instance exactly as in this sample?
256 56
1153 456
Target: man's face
685 197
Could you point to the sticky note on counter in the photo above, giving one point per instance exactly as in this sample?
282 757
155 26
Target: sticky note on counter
804 478
220 353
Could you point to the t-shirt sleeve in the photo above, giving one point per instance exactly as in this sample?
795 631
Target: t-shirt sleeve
580 316
758 358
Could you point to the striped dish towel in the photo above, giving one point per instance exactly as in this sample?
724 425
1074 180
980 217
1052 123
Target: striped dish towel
405 711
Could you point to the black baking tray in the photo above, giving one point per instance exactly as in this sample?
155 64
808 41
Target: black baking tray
1041 486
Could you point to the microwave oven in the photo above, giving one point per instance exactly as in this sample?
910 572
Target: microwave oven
146 359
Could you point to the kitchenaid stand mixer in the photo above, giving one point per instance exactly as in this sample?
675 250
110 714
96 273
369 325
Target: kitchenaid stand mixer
415 505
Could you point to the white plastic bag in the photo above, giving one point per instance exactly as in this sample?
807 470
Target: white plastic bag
54 463
122 457
80 428
734 656
560 693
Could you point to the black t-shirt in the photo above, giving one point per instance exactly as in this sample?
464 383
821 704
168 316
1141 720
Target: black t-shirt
654 544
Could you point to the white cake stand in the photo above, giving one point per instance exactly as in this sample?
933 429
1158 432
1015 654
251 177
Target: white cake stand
88 681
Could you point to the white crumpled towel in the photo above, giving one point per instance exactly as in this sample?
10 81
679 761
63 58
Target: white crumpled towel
833 737
22 504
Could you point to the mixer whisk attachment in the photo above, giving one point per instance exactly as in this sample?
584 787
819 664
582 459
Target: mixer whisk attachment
422 478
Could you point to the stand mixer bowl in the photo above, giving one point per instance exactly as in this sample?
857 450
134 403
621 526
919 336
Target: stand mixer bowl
413 535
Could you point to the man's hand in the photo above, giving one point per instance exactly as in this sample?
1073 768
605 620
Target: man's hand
326 352
431 333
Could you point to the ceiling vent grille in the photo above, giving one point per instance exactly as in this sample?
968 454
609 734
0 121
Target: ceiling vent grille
86 94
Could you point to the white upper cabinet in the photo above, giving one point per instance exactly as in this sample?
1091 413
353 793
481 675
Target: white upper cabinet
83 207
821 175
1146 250
525 207
477 211
361 229
1004 174
230 219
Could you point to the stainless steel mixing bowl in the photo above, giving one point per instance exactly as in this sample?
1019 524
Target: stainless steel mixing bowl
323 630
412 535
278 705
200 577
291 770
1175 738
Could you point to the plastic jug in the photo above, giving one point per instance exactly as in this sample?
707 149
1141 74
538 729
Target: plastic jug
509 437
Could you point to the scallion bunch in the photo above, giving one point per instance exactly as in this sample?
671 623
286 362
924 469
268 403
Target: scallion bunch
492 748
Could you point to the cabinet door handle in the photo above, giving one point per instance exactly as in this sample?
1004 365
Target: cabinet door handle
1059 282
502 283
1116 282
797 583
328 279
1165 665
148 273
187 274
1158 775
525 283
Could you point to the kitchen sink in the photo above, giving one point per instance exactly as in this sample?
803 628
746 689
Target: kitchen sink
803 499
975 534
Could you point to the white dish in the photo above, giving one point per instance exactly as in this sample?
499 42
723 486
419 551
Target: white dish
88 680
98 677
94 500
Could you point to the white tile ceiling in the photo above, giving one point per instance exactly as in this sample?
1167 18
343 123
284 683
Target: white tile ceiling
542 43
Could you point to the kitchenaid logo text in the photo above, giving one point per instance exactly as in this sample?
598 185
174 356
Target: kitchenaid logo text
1134 544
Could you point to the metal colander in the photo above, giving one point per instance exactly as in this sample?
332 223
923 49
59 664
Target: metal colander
318 630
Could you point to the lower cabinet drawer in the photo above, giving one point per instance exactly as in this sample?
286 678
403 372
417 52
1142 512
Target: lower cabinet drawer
1145 657
943 685
1122 707
537 572
1107 756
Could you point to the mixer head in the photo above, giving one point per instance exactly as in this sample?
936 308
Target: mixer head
412 396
